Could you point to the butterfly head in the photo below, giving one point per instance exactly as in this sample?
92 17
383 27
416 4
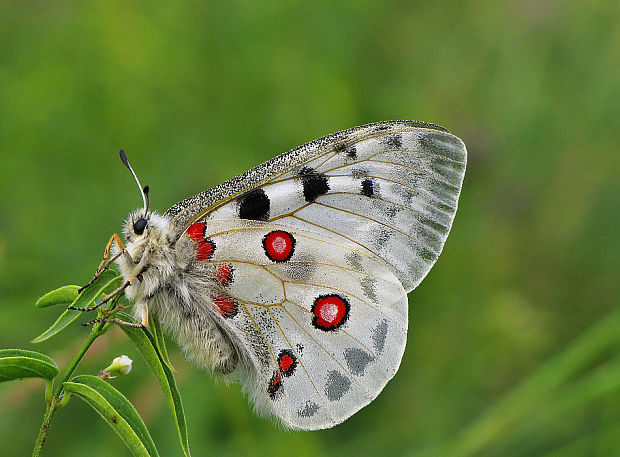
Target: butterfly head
140 228
143 224
149 240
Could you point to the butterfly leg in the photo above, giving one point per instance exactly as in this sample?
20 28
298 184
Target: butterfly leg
105 262
107 298
114 320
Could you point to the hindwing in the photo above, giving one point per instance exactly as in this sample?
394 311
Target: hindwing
320 325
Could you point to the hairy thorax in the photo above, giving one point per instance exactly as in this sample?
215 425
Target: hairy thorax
167 282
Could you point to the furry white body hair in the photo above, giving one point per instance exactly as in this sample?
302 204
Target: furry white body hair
172 286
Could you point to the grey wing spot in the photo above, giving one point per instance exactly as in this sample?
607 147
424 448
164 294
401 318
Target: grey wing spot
378 335
357 360
381 237
354 260
391 211
369 288
336 386
407 195
360 172
300 270
394 141
309 409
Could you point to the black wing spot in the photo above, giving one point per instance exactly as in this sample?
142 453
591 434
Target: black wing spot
254 205
315 184
352 152
382 127
395 141
368 187
340 147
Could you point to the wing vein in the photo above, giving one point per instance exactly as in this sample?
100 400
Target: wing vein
369 218
318 344
300 361
273 358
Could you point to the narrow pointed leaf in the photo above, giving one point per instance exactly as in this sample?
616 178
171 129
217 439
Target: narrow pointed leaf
62 296
106 283
158 334
68 316
116 410
19 363
146 343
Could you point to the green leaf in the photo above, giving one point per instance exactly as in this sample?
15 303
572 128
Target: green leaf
117 411
68 316
158 334
19 363
146 343
107 282
63 296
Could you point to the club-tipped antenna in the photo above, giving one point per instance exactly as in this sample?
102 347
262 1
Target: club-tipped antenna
143 191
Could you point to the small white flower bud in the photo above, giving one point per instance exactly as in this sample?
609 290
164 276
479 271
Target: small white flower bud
120 365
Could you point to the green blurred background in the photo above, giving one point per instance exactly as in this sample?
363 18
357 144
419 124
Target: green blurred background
513 348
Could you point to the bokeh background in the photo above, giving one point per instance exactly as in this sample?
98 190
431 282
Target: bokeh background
513 348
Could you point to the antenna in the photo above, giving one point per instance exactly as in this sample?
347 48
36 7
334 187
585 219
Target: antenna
145 191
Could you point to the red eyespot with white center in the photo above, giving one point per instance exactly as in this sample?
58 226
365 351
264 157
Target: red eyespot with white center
279 245
226 306
196 231
205 249
330 312
287 362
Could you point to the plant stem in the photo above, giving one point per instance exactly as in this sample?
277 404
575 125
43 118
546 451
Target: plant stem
52 403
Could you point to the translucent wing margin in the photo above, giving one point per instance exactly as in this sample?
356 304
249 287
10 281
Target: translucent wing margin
391 188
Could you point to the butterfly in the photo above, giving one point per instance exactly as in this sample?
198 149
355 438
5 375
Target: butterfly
293 276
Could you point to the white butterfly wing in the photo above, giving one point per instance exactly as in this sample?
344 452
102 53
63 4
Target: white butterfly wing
369 210
320 333
391 187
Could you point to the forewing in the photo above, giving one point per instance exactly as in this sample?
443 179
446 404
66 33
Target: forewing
320 325
390 188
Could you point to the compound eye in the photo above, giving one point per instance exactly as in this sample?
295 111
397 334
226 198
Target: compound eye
139 226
